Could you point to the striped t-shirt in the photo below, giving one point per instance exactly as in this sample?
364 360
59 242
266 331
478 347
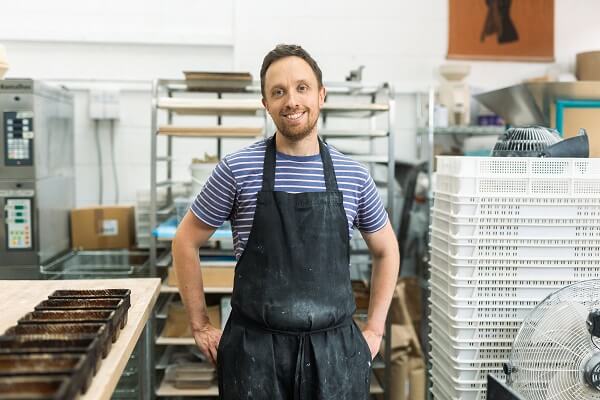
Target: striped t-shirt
230 192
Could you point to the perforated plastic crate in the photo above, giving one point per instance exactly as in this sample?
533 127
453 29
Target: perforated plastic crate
441 352
516 269
512 186
455 389
441 278
517 207
519 167
514 228
440 336
528 290
477 374
444 320
439 295
442 391
543 249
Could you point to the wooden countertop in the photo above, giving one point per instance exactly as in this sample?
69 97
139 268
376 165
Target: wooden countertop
19 297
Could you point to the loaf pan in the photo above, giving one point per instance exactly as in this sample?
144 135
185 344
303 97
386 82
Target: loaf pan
79 367
119 305
66 331
108 317
124 294
38 388
88 345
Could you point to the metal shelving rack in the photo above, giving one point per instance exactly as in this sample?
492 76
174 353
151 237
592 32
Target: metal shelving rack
165 99
376 103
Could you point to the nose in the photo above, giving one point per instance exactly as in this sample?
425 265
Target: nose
291 100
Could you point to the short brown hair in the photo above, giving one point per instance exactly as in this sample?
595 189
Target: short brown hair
288 50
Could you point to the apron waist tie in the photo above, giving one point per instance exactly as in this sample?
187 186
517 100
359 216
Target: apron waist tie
303 348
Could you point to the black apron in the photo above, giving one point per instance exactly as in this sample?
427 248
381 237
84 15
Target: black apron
291 335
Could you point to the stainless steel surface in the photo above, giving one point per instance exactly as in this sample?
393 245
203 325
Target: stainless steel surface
46 175
515 104
531 103
98 264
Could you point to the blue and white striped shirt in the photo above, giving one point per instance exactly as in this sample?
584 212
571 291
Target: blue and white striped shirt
230 192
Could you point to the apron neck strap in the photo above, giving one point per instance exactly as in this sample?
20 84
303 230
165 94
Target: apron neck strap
268 183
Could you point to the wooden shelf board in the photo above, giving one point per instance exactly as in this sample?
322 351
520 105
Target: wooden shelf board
212 131
175 341
174 289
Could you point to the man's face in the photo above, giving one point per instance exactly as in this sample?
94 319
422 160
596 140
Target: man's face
293 97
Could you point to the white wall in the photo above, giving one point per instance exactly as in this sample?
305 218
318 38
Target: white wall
91 44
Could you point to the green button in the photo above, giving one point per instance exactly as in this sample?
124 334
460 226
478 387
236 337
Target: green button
19 207
19 214
19 220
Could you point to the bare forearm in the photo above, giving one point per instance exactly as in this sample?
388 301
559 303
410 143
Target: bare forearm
383 283
189 277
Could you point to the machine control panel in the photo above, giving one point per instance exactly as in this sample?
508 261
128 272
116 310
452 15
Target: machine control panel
18 138
17 213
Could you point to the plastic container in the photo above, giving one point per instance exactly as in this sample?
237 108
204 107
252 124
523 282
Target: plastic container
438 313
522 167
467 373
516 269
539 249
520 207
515 227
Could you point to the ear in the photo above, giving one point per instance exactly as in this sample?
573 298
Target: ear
265 104
322 94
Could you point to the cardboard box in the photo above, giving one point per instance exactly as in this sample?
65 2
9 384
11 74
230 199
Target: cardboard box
212 277
102 227
178 324
587 66
576 118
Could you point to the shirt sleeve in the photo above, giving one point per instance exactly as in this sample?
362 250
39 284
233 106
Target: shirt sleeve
214 204
371 215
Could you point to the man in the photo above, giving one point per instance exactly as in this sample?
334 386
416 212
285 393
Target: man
293 202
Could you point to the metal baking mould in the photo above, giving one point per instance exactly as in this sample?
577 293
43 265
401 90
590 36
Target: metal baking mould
124 294
59 387
118 304
79 367
109 317
88 345
66 331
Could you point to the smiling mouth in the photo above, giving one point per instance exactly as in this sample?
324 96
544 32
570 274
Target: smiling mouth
294 116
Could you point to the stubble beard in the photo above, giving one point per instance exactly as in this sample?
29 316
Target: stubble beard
297 135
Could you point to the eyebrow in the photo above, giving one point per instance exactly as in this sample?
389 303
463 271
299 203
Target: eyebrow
281 86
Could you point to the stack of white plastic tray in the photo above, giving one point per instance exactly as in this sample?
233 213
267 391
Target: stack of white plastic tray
505 233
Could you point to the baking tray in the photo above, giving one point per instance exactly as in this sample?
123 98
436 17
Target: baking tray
66 331
79 367
59 387
108 317
118 304
52 344
124 294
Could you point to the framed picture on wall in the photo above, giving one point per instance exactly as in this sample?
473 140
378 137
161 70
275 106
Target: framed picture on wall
521 30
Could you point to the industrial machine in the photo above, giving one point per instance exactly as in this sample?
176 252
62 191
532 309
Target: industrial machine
37 187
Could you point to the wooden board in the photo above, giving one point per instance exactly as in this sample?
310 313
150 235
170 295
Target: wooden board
20 297
212 131
187 106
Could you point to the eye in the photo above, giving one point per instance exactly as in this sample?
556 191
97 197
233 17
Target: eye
302 88
278 92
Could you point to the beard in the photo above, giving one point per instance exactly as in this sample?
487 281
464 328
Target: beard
296 134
